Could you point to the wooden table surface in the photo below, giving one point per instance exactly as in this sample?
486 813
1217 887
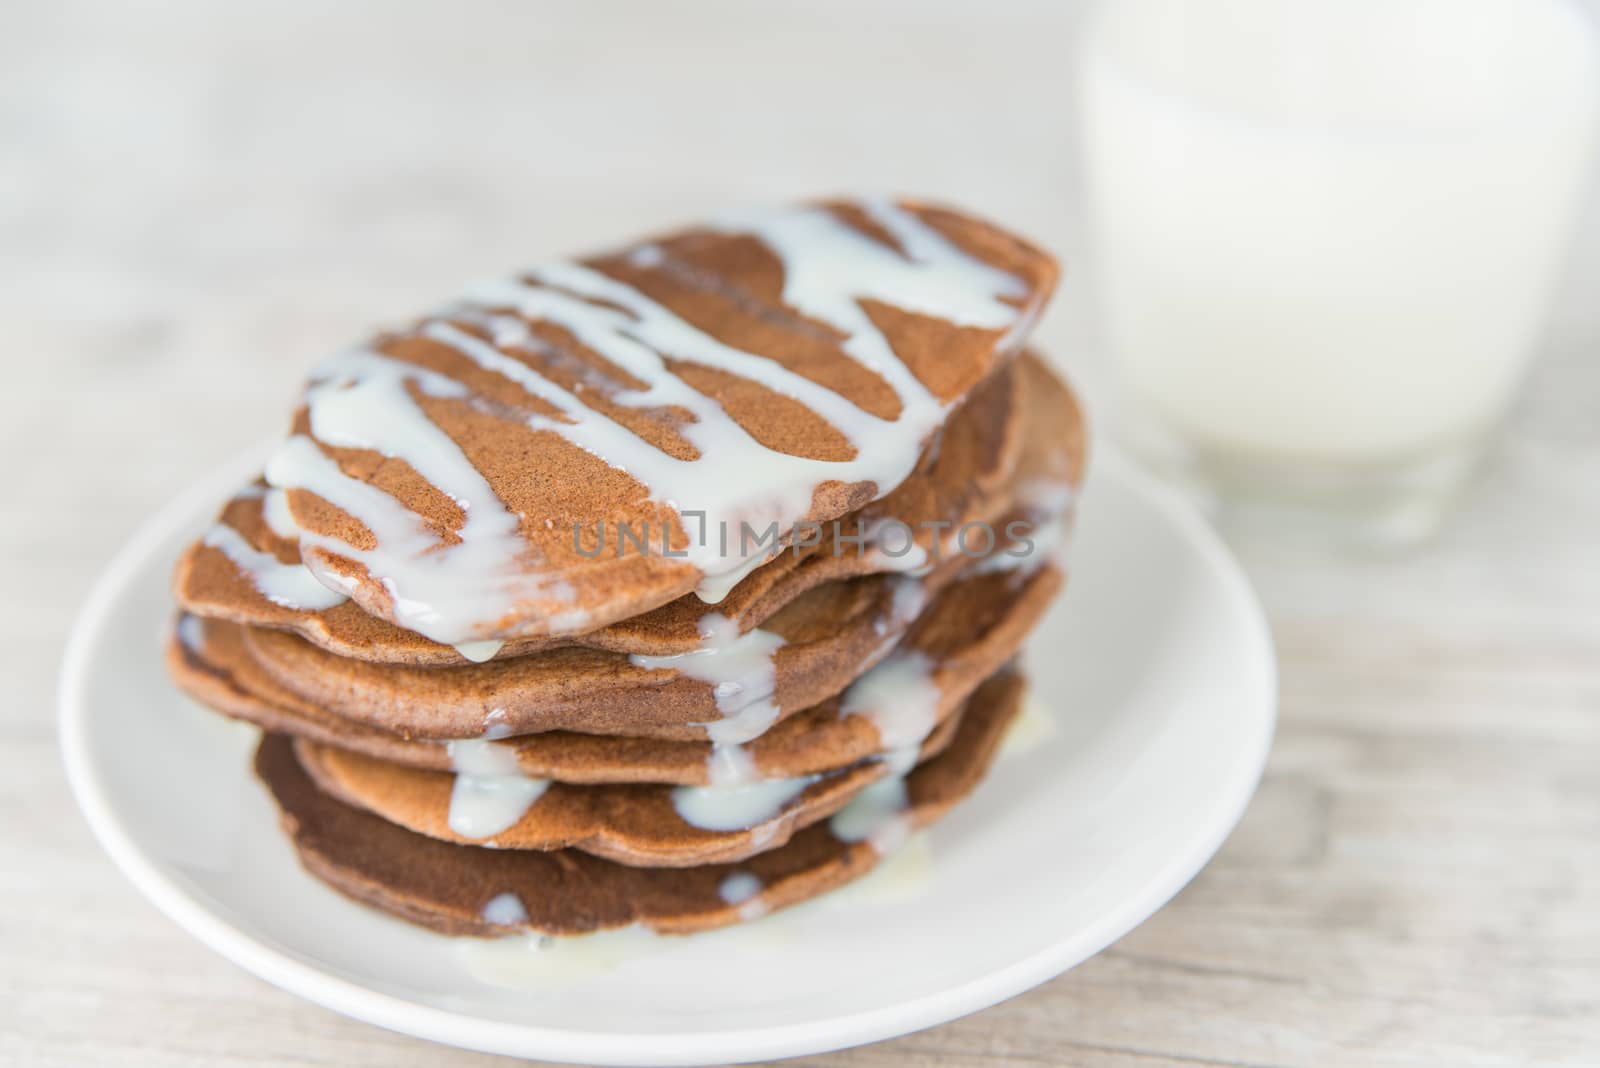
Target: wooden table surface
197 200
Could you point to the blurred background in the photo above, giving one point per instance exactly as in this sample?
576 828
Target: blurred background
199 200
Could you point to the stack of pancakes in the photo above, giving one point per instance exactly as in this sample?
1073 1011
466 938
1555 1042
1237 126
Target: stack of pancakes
669 586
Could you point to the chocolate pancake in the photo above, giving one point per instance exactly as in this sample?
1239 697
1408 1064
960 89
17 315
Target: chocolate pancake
212 666
450 887
910 700
807 652
770 369
648 826
248 569
210 662
971 626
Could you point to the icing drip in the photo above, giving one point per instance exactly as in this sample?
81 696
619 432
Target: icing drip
482 757
288 585
490 793
1049 501
495 726
742 889
739 887
894 547
877 815
191 632
505 910
901 698
714 588
275 511
763 836
737 808
478 652
481 807
453 590
907 599
730 765
741 672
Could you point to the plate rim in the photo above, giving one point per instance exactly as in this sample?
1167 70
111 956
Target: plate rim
397 1014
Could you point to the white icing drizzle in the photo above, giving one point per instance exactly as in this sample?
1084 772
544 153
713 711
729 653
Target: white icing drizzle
893 547
482 757
902 759
878 815
478 652
191 632
1049 501
495 725
737 808
455 591
739 887
907 598
829 269
490 793
730 765
445 590
743 888
505 910
480 806
741 672
713 589
763 836
275 512
901 698
287 585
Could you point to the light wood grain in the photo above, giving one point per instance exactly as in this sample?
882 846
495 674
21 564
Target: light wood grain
196 200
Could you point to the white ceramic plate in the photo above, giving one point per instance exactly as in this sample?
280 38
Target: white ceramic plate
1153 705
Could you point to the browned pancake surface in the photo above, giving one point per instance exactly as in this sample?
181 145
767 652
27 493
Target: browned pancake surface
638 824
830 634
635 824
971 627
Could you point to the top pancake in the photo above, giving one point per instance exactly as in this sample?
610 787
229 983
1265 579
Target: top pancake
454 478
974 469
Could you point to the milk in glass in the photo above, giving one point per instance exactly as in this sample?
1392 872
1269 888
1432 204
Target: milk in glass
1326 231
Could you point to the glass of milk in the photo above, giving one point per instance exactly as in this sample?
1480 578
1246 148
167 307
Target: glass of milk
1325 234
